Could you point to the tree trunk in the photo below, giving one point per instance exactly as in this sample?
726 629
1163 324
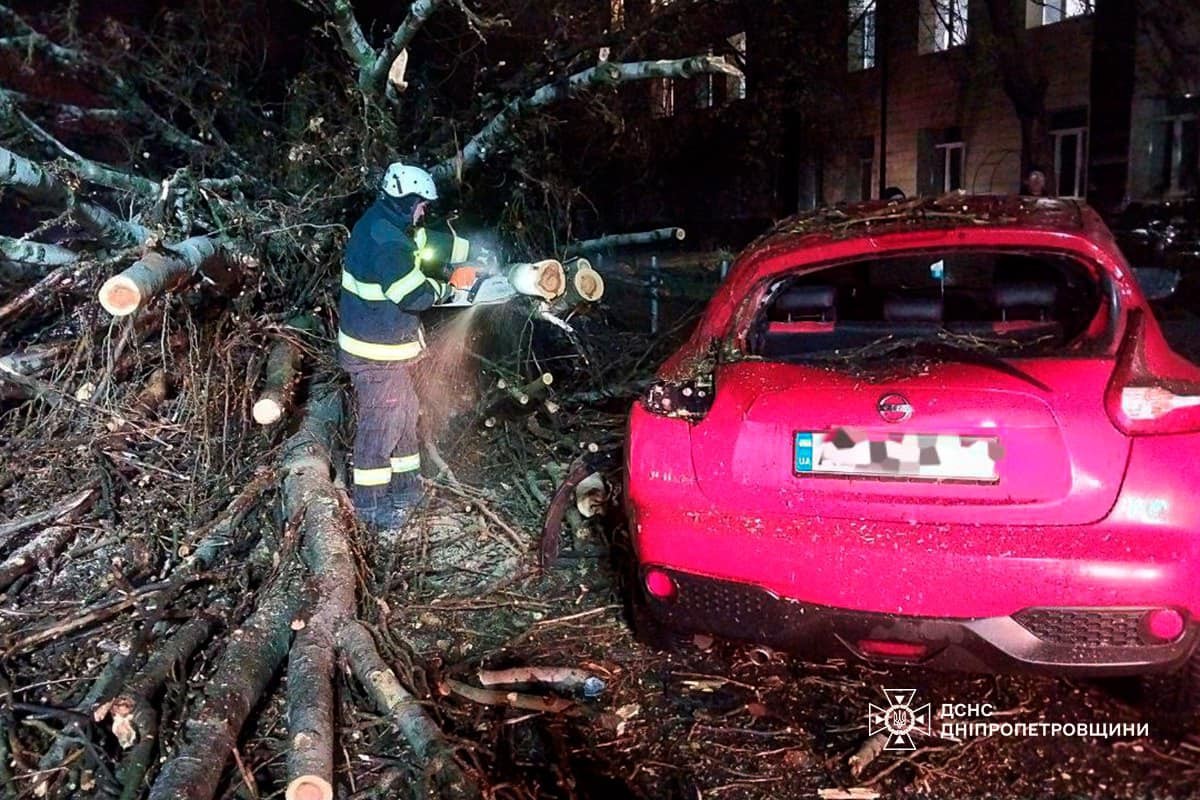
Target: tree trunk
308 490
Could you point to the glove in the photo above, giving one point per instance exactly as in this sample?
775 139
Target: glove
445 294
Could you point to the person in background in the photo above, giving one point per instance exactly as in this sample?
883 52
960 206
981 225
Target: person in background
1035 184
379 338
894 194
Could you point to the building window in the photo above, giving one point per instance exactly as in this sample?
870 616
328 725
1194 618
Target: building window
943 25
735 85
941 160
1179 160
1047 12
948 166
662 97
861 42
1070 161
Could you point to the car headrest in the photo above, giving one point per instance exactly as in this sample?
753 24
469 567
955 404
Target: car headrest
1017 295
805 300
912 309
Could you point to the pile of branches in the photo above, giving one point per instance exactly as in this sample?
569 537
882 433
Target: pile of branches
186 591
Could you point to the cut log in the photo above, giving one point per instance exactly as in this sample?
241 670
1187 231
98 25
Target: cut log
156 272
309 495
254 653
545 279
629 239
282 374
564 498
584 283
310 717
496 697
566 678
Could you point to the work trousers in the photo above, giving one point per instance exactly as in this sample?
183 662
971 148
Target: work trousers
386 453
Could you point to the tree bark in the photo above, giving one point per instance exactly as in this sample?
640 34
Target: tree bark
47 544
156 272
134 715
308 490
255 651
35 254
29 180
371 79
406 713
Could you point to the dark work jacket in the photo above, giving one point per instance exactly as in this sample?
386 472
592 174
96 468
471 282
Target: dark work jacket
383 287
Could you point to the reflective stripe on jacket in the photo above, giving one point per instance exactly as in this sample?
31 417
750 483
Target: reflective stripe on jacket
383 287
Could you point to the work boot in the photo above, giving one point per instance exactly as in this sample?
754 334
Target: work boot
404 494
373 505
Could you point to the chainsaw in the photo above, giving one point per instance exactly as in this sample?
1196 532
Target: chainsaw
478 277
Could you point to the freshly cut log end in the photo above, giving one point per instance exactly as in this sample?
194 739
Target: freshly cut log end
267 411
680 234
588 284
120 296
545 279
309 787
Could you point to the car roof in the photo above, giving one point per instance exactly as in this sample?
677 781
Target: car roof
950 211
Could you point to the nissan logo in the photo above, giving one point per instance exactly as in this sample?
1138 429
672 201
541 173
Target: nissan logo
894 408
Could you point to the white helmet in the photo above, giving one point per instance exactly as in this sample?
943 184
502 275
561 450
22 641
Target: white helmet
401 179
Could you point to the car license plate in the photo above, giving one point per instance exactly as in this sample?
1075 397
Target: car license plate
910 456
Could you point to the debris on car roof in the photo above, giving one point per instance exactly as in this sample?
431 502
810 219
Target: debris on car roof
952 210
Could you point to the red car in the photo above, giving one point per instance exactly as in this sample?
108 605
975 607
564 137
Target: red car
945 432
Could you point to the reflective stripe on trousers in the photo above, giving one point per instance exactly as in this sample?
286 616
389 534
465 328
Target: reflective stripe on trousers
385 441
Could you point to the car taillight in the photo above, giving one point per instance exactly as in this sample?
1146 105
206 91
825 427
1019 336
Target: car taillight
690 399
1141 403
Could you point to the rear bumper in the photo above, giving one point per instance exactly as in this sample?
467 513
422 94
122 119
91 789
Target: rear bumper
927 570
1059 641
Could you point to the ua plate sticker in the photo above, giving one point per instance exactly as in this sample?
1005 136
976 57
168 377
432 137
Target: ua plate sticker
804 452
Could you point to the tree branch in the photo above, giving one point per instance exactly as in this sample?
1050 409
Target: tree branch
601 76
65 112
73 59
371 77
92 170
351 36
23 251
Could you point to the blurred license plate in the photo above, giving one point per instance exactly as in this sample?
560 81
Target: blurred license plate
920 456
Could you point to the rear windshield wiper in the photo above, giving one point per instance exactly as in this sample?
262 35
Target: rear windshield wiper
943 349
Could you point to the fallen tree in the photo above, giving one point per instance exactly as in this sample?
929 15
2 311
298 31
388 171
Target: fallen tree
168 284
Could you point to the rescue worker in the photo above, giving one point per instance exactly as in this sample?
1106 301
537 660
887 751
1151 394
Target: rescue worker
380 336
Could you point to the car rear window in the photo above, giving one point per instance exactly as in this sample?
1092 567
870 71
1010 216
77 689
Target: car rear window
1013 304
